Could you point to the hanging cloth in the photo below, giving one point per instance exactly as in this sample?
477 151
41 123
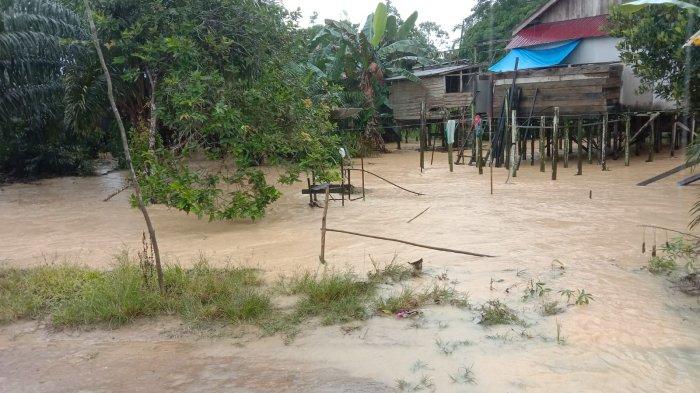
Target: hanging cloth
450 131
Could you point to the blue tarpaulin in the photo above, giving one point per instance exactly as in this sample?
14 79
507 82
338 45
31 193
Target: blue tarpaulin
535 58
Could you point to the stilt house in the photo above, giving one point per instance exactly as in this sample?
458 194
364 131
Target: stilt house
441 87
561 55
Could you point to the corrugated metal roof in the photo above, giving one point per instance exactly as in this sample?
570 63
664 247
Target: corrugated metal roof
434 71
547 33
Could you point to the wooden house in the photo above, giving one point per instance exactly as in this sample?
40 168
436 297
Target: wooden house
567 59
441 87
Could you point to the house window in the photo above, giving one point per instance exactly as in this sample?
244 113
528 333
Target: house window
467 82
452 83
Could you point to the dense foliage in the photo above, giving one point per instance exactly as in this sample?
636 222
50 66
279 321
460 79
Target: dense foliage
38 41
359 59
656 53
223 80
493 20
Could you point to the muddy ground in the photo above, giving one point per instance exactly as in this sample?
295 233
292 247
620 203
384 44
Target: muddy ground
638 335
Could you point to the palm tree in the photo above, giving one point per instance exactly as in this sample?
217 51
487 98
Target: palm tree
37 43
362 58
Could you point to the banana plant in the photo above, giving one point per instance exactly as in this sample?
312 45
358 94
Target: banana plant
362 58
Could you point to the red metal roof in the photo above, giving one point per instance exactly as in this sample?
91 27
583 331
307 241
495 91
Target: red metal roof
547 33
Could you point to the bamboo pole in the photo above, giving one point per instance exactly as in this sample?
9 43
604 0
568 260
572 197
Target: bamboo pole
555 145
449 144
590 144
673 138
388 181
342 180
322 257
567 142
479 151
532 148
410 243
362 166
125 146
603 143
514 144
418 215
616 139
650 140
422 135
543 138
628 121
579 150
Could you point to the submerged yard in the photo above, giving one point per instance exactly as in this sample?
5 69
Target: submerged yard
567 303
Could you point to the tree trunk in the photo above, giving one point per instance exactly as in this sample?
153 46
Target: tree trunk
152 131
125 145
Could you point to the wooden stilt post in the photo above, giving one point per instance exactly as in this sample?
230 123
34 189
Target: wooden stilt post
567 141
449 156
422 135
362 166
479 150
579 149
342 181
616 139
322 257
555 136
603 143
514 144
508 137
672 145
311 198
650 142
657 135
628 121
590 144
532 147
543 140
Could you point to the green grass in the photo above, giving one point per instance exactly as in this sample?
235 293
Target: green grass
390 274
407 300
335 297
410 299
76 296
494 312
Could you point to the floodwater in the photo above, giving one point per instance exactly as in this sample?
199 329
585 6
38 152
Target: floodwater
639 334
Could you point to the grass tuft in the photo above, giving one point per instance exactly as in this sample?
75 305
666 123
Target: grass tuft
494 312
464 375
390 274
335 297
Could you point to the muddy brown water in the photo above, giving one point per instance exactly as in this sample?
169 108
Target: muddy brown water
638 335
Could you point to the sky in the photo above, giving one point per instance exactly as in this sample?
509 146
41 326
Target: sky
446 13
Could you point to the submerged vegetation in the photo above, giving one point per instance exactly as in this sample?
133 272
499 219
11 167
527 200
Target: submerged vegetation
679 260
494 312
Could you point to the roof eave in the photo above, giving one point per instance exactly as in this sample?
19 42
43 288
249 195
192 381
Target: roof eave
534 16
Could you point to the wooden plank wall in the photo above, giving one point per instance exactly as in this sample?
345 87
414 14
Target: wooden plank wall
575 9
575 90
405 97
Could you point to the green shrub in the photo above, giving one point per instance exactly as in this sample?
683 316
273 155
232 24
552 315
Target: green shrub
661 265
